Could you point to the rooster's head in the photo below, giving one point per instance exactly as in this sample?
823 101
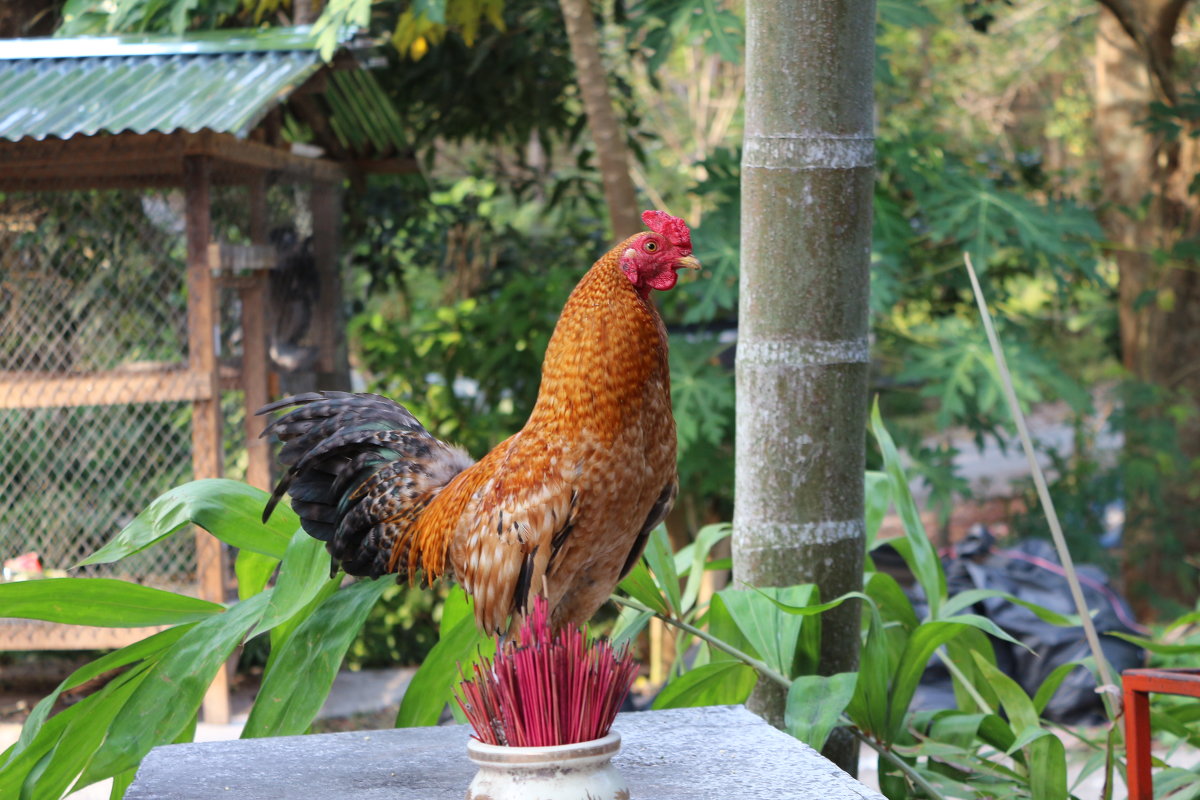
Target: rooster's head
650 259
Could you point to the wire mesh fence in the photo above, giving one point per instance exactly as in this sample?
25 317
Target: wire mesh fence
94 420
92 312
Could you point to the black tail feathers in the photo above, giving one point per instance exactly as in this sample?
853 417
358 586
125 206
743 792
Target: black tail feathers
359 467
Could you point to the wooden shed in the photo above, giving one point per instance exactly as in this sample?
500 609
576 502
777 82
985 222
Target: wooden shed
166 253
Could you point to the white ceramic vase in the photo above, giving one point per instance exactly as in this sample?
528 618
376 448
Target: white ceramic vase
581 771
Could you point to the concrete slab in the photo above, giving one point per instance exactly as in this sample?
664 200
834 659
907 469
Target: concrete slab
721 752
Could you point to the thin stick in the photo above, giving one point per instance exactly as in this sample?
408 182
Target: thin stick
1107 687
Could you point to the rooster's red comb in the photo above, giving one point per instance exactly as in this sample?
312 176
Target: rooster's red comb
673 229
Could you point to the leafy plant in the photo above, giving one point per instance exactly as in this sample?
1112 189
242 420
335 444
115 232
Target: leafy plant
155 687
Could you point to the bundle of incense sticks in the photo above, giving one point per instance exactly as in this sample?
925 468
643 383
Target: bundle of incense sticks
545 689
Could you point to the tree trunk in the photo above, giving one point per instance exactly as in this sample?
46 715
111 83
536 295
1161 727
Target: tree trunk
1147 211
807 172
607 135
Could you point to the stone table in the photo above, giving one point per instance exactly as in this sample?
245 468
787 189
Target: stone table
723 753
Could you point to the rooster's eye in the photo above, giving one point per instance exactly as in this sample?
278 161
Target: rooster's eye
651 247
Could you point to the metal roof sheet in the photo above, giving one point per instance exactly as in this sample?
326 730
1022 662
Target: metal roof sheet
226 93
223 81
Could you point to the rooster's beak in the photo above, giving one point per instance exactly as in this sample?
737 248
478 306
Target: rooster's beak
687 262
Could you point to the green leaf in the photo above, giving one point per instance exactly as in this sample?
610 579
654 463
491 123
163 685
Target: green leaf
972 596
869 707
721 625
230 510
84 735
694 557
814 704
1051 683
630 623
433 684
894 605
878 499
659 558
1161 648
763 617
924 561
173 689
1046 760
103 602
458 606
299 679
302 572
253 570
641 586
923 641
146 648
718 683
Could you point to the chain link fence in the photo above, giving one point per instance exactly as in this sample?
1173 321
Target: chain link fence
93 332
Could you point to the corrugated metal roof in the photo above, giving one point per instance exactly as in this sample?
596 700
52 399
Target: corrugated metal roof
226 93
223 81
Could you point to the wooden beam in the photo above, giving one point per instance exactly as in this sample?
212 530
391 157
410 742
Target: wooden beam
124 147
229 148
207 455
36 390
224 257
387 166
130 160
37 635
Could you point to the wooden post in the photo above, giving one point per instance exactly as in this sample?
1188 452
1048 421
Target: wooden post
255 367
328 325
207 456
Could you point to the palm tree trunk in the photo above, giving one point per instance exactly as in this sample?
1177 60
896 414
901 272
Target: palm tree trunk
607 135
807 173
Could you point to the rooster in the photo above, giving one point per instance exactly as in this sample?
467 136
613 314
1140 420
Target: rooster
563 507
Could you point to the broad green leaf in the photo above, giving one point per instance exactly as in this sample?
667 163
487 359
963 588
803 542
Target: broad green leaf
761 616
433 684
923 641
924 560
868 709
715 684
458 606
145 648
286 626
253 570
302 572
1161 648
1050 685
640 585
722 626
659 558
230 510
84 735
121 784
103 602
35 757
894 605
299 680
1046 759
172 691
814 705
959 651
698 552
972 596
878 499
630 623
